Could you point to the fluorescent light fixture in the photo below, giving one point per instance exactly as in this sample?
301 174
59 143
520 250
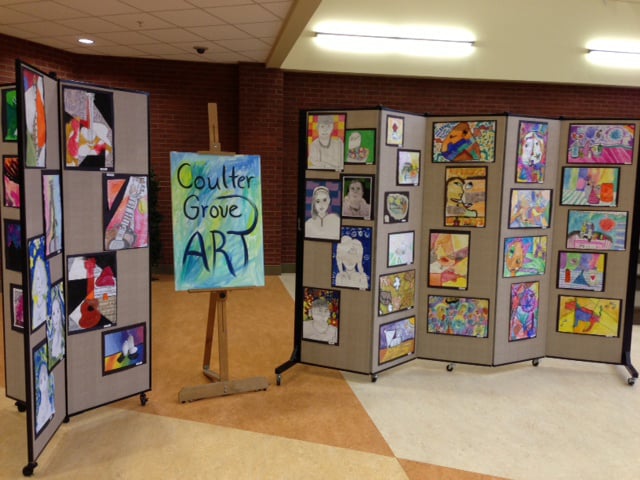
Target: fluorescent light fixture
614 58
379 45
86 41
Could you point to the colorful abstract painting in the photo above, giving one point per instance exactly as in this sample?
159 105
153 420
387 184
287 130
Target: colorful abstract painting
325 140
581 270
13 249
601 144
397 339
448 259
396 207
408 167
35 120
396 292
531 160
44 390
525 303
17 307
592 186
360 146
323 205
589 316
400 249
524 256
395 130
321 315
530 208
217 221
9 115
597 230
39 282
468 317
465 196
92 291
52 209
56 324
126 211
467 141
351 266
123 348
11 180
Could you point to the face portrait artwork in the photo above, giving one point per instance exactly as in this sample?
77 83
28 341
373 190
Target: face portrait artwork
356 202
321 315
325 141
352 258
323 201
532 152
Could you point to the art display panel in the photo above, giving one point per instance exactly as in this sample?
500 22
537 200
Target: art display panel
597 230
123 348
465 196
323 206
591 186
524 256
397 339
396 207
325 141
448 259
52 212
524 312
531 160
321 315
126 211
360 146
11 180
466 141
396 292
589 316
581 270
10 115
601 143
357 196
408 167
352 256
467 317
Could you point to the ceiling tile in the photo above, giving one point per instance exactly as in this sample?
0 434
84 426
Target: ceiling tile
193 17
219 3
15 32
243 14
158 5
138 21
281 9
261 30
8 15
172 35
245 44
51 29
159 49
98 8
127 38
219 32
210 46
91 25
47 9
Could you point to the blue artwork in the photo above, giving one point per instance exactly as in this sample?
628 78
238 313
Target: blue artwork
352 259
39 281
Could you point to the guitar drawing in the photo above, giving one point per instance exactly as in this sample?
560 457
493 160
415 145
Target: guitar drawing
123 235
89 309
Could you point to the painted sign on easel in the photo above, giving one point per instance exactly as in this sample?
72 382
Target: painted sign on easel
217 221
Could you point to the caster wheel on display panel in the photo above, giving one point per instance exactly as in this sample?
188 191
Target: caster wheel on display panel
278 379
21 406
143 399
450 367
535 362
27 471
631 381
374 378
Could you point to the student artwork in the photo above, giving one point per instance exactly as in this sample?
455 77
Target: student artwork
396 207
17 307
408 167
465 196
52 209
123 348
360 146
92 291
396 339
321 315
9 115
581 270
13 250
448 259
325 141
44 390
39 282
216 204
88 126
596 187
601 144
11 180
56 325
352 259
400 250
126 212
531 159
525 302
357 196
467 317
589 316
530 209
395 130
397 292
597 230
323 200
524 256
469 141
35 119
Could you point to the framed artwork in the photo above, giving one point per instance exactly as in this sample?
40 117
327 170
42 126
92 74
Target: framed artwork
35 119
17 307
396 292
360 146
52 212
589 316
123 348
88 123
400 248
592 186
325 140
352 257
396 207
39 282
601 143
56 325
523 318
466 141
321 315
597 230
323 205
9 115
530 208
581 270
13 249
357 196
11 180
531 159
395 130
126 211
92 291
408 167
465 196
524 256
467 317
44 389
448 259
397 339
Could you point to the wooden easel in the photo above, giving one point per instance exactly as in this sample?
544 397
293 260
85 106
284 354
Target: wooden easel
221 385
